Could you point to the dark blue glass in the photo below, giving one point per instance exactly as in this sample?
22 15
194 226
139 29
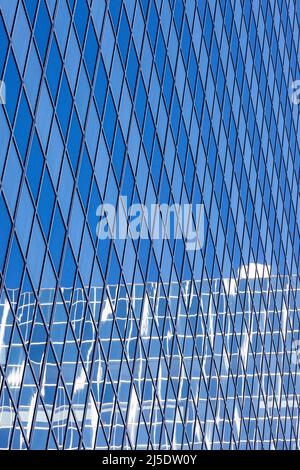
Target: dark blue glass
54 69
42 29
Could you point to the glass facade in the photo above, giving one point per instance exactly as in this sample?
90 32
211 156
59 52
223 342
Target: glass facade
146 342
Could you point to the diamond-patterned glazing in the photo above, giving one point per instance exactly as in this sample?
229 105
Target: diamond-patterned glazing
143 343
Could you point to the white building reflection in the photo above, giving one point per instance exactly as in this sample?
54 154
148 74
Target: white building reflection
203 365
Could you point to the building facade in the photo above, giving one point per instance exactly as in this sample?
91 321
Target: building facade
118 333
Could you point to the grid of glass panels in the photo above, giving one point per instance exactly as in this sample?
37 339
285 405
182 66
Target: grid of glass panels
219 379
143 343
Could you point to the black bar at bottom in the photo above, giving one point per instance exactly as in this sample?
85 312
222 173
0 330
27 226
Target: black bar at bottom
151 459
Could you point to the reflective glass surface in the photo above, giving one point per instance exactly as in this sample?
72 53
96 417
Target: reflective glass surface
144 343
